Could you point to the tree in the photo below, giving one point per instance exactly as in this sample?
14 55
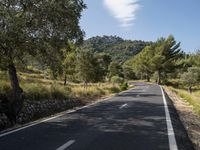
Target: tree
191 77
86 64
197 58
165 54
103 62
128 72
119 49
115 69
144 63
185 61
158 58
69 66
117 79
35 27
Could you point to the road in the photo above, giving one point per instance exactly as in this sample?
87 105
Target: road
133 120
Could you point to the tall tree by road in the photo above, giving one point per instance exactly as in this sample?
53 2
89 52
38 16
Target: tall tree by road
166 52
159 58
35 27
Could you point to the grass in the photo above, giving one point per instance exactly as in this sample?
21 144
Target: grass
36 88
193 98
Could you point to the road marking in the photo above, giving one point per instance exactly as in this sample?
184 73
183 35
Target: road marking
137 95
66 145
4 133
124 105
171 135
9 132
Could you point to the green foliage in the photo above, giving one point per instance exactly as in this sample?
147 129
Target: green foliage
124 86
86 65
128 72
102 68
117 79
69 65
192 76
197 59
159 57
114 89
115 69
92 66
23 31
35 28
119 49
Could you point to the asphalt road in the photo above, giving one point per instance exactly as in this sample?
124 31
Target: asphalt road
134 120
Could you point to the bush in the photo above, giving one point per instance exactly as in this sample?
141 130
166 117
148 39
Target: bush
124 86
117 79
113 89
36 92
59 92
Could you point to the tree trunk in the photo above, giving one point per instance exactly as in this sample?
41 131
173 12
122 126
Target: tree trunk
17 94
147 77
159 80
65 80
85 84
190 89
141 76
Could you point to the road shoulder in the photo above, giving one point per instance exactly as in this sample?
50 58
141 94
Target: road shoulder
190 121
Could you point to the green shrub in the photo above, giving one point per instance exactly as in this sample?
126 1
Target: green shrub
113 89
117 79
124 86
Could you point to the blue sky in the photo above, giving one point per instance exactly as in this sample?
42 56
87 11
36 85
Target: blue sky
145 20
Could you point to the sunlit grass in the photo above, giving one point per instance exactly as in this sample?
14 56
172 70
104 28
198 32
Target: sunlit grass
37 88
193 99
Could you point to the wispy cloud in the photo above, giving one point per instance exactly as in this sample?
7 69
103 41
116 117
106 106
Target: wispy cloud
123 10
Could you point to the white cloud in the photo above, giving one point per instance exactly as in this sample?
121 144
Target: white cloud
123 10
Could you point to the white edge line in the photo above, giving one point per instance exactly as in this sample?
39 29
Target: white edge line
59 115
66 145
170 130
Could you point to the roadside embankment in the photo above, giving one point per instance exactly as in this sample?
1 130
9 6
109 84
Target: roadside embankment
187 113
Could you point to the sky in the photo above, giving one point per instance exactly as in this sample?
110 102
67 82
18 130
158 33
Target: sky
144 20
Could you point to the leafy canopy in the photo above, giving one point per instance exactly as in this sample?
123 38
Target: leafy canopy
37 26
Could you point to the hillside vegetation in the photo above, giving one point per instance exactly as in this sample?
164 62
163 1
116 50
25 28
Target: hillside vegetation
165 63
119 49
36 88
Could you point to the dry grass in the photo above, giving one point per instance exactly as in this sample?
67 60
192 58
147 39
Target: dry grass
193 99
37 88
185 110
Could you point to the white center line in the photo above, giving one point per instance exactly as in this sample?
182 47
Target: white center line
171 135
123 106
66 145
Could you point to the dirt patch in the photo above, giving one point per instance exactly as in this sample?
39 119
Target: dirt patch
189 118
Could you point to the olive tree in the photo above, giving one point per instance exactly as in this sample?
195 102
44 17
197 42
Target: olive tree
191 77
36 27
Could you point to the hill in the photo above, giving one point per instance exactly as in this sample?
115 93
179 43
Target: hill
119 49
